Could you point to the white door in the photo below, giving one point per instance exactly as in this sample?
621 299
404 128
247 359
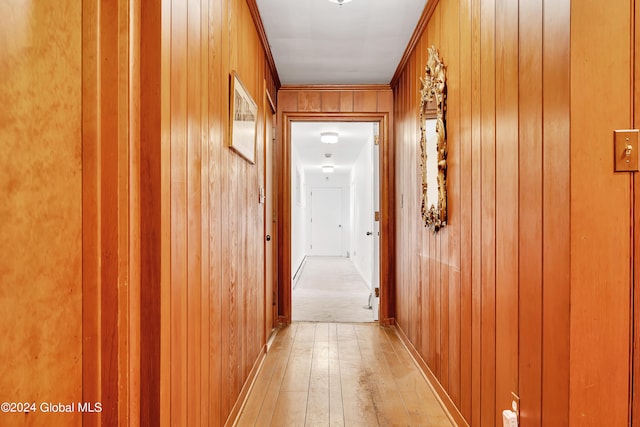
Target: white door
326 222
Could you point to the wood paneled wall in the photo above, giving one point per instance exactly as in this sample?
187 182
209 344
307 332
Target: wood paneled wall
72 85
527 289
132 264
202 249
41 208
336 103
485 301
602 67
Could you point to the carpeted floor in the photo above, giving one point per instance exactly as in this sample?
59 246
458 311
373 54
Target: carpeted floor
330 289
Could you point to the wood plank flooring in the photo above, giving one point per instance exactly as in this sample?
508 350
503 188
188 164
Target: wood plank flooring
329 374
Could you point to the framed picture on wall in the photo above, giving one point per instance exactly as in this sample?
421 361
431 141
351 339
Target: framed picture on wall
243 120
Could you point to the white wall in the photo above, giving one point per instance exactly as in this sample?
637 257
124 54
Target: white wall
362 212
298 202
318 179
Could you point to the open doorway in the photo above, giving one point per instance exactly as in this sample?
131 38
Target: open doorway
334 233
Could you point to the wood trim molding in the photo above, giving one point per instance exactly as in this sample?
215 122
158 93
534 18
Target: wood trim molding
443 398
257 20
330 88
389 321
283 321
248 385
413 41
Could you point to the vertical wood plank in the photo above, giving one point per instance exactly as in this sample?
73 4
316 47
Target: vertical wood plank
134 333
466 210
330 102
232 358
309 101
90 207
385 102
506 203
556 236
125 168
206 397
488 201
288 100
530 229
194 213
398 109
417 254
218 102
450 36
110 158
476 219
346 102
165 261
365 101
179 219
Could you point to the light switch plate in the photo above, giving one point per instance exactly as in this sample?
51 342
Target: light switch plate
626 150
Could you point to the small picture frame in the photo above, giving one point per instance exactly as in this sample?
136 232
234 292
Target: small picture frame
243 120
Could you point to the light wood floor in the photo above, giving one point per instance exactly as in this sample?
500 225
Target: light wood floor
328 374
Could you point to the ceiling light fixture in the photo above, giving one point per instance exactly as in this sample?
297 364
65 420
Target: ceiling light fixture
340 2
329 137
327 168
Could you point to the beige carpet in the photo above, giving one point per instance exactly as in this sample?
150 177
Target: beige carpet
330 289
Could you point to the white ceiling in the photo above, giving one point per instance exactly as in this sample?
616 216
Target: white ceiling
319 42
305 136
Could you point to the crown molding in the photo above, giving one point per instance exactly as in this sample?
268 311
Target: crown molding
257 20
429 8
335 88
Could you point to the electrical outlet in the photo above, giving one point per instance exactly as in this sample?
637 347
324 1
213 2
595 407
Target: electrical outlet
515 404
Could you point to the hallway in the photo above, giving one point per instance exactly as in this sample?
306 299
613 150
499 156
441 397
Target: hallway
330 289
321 374
147 237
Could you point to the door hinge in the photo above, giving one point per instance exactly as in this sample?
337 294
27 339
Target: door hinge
377 216
376 140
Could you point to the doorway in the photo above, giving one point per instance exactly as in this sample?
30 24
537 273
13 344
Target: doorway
270 218
330 284
326 232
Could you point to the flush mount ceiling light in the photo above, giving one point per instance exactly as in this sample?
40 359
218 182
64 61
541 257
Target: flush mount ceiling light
329 137
327 168
340 2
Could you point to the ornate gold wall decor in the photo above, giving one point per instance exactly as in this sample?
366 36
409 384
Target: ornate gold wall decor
433 142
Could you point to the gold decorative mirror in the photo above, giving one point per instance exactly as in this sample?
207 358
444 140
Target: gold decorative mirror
433 142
